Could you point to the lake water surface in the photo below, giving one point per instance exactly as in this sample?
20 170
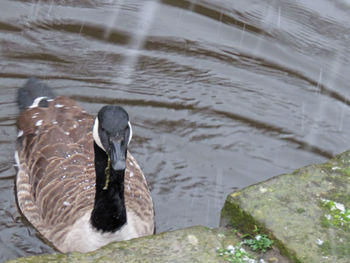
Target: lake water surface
222 94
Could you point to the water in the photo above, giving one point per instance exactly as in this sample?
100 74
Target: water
221 95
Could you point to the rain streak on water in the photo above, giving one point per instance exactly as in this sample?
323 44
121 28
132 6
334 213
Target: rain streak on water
221 94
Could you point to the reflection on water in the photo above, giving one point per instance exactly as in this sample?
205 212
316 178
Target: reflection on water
220 95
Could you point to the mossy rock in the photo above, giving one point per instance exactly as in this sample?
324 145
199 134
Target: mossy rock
291 209
195 244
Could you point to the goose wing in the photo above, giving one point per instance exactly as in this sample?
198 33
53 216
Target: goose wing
56 177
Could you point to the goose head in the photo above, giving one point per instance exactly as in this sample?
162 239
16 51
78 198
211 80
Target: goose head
112 132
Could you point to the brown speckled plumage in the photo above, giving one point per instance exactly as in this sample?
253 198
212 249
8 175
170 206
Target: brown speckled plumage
56 177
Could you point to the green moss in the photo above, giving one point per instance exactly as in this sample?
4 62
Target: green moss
238 218
346 171
334 216
340 181
338 196
301 210
325 222
235 254
337 218
341 250
326 248
336 166
328 166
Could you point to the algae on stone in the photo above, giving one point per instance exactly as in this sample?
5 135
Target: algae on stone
289 208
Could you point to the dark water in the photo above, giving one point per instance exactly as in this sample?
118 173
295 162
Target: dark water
222 94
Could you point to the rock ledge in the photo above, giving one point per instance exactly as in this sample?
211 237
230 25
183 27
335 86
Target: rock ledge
306 213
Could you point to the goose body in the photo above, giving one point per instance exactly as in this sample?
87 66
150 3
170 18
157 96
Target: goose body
74 184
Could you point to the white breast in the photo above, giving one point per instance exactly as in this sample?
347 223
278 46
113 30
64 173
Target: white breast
82 237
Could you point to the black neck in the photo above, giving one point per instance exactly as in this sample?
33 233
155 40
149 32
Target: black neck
109 212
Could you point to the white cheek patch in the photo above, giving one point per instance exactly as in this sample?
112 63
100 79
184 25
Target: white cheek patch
96 136
130 134
17 159
36 102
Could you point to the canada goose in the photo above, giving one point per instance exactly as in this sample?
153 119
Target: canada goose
77 184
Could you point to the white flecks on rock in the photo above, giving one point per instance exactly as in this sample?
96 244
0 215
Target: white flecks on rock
242 250
319 242
54 122
59 106
39 122
131 173
66 203
231 248
340 206
193 240
263 190
66 133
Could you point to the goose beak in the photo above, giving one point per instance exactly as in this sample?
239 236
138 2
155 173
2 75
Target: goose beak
118 155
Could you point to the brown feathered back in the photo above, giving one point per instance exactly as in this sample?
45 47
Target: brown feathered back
56 177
